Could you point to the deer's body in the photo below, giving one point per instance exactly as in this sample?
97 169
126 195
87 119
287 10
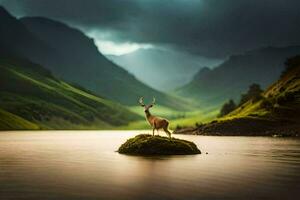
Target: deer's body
156 123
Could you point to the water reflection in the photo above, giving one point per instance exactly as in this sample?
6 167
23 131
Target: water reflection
84 165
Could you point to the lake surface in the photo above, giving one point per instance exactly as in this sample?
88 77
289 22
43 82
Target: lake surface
84 165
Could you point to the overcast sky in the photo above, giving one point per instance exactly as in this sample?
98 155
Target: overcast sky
212 28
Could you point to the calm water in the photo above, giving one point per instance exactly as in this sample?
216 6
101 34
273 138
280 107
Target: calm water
84 165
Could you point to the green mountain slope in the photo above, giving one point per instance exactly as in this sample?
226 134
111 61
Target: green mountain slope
9 121
81 63
276 113
231 78
31 98
72 56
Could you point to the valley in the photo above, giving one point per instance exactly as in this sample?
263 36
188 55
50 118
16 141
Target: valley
54 77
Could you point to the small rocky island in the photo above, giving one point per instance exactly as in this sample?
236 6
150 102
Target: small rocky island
145 144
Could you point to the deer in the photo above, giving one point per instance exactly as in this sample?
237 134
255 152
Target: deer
155 122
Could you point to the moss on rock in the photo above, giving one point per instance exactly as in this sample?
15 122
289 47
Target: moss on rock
145 144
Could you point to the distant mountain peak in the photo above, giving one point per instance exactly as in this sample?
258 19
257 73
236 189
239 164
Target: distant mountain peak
233 76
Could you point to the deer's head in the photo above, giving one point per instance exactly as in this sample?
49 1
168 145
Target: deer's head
146 107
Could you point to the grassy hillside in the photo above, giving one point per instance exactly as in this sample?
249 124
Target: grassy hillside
276 113
31 98
80 62
231 78
72 56
9 121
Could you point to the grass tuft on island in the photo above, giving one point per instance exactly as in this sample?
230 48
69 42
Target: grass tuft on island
145 144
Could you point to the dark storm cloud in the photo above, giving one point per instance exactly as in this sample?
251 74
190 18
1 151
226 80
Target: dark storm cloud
85 12
208 27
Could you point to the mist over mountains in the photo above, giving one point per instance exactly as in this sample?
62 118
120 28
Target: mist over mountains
163 69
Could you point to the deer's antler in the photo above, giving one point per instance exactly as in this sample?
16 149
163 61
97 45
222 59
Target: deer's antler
153 101
141 101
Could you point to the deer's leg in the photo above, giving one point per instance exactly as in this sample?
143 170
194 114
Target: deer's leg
166 129
167 132
153 131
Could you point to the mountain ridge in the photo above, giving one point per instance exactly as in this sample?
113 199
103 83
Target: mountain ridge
98 74
233 76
